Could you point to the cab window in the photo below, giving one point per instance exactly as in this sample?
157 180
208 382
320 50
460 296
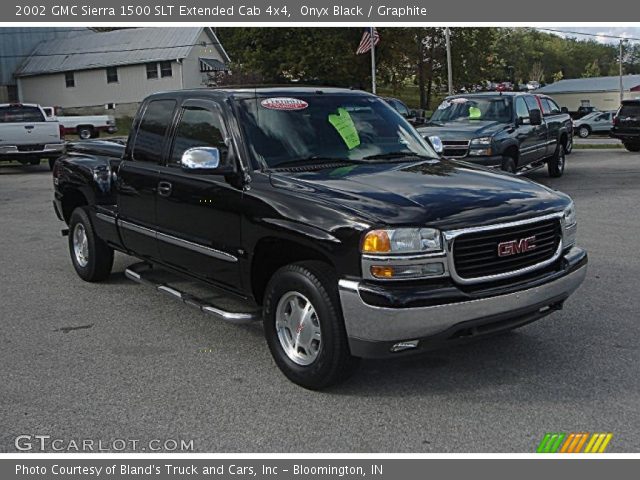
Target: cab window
198 127
521 108
152 131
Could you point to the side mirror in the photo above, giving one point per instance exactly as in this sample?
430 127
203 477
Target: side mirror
564 110
204 160
535 116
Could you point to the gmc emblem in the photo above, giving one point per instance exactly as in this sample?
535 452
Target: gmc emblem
506 249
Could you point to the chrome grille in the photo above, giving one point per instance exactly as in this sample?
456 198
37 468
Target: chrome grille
475 254
455 148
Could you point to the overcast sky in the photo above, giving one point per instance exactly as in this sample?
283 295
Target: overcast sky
615 31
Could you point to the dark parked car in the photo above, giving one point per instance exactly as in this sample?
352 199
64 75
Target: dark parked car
511 131
412 116
626 125
324 214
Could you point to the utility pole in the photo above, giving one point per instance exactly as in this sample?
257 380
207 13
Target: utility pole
621 86
447 36
373 61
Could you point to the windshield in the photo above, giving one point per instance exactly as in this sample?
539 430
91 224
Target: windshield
322 127
460 109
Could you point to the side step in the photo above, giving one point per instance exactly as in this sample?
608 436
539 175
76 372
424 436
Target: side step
531 168
145 274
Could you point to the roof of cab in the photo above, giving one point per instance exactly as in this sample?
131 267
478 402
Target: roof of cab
251 91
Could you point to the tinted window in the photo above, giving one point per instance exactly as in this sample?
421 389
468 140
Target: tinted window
198 127
555 109
630 110
400 107
546 108
153 130
531 103
521 108
20 114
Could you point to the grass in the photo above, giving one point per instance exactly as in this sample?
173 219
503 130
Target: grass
409 94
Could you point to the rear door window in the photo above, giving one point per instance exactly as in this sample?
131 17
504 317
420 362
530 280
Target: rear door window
152 131
20 114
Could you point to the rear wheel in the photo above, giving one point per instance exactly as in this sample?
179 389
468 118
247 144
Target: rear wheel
556 164
92 258
632 147
304 327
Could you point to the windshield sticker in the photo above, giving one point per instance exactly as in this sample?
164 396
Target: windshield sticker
459 100
344 125
444 105
474 113
284 103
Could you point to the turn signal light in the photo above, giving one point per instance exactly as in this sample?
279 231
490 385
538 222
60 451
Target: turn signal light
376 241
382 271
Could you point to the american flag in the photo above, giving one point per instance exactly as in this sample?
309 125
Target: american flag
365 42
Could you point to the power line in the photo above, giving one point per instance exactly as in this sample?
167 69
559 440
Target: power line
587 34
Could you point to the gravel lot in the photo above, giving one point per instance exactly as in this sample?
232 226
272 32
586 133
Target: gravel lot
118 361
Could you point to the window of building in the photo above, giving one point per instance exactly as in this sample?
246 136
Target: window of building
198 127
165 69
70 79
153 130
152 71
112 75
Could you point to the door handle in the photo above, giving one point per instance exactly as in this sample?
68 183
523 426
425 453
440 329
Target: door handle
164 189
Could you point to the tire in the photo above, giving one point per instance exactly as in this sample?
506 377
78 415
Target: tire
584 131
569 147
85 133
557 163
91 257
509 165
632 147
320 358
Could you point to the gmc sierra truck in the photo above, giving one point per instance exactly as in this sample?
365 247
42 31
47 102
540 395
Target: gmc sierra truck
324 214
516 132
26 136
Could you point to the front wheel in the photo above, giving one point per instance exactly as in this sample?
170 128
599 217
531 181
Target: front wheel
304 327
509 165
632 147
556 164
92 258
85 133
584 132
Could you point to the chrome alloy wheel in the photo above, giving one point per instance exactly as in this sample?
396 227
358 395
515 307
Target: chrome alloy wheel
80 245
298 328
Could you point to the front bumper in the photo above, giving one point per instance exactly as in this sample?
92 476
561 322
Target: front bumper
376 331
492 161
49 150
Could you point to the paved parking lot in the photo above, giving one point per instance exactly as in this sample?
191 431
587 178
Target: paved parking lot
117 361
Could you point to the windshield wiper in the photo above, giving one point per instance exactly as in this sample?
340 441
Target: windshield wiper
397 156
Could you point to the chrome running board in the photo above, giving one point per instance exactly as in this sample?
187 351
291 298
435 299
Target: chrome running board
143 273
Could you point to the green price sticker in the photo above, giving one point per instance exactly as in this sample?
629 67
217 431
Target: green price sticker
343 123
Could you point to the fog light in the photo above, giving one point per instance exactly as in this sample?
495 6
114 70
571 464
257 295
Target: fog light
408 271
482 152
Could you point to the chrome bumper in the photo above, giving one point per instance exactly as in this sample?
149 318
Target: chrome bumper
49 148
368 323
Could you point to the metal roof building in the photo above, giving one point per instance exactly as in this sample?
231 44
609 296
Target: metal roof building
115 70
602 93
16 43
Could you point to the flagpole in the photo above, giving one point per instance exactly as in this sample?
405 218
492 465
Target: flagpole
373 62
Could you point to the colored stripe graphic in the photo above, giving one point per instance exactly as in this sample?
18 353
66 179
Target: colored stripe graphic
573 442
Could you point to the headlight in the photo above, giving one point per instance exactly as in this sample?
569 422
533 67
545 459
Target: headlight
402 240
570 215
436 143
484 141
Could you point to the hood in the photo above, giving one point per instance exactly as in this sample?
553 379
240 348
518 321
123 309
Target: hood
462 129
439 193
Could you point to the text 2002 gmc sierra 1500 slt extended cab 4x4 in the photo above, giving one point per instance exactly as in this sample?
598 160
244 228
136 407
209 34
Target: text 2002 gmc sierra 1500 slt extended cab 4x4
328 216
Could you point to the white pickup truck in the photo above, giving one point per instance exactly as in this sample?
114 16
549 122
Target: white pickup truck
26 135
85 126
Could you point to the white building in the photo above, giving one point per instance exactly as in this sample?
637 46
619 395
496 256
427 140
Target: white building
115 70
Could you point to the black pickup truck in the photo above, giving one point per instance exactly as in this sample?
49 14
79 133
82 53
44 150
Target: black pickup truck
324 214
508 130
